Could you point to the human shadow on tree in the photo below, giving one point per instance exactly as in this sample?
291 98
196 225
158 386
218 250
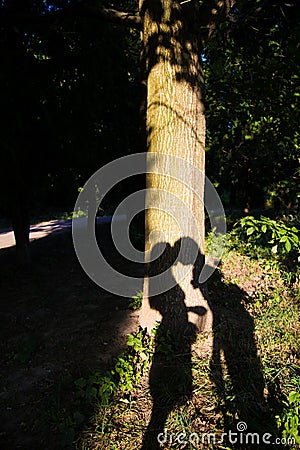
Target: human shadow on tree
170 376
235 366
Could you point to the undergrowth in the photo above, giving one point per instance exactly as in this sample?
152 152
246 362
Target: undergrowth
245 371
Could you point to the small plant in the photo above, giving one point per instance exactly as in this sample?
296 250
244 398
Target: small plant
97 386
125 375
136 301
289 422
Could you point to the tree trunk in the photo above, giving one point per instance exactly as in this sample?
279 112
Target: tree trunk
175 129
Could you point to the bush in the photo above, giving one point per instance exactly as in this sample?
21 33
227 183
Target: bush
275 235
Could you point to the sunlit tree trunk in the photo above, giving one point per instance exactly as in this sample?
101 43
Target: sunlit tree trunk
175 127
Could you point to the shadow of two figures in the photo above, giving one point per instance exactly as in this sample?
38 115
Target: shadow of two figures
234 365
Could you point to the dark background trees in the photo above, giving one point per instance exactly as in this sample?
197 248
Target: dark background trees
71 93
70 103
252 75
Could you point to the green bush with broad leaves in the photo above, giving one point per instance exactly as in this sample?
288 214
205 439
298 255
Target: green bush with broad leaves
265 232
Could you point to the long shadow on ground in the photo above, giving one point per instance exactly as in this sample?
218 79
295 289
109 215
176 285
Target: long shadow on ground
235 369
235 366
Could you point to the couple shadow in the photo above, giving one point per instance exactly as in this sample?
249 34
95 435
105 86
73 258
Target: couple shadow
234 364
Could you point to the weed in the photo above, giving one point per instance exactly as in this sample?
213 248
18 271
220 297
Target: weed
257 330
288 421
125 375
136 301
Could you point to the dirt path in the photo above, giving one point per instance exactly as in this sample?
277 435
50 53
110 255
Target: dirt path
56 326
43 229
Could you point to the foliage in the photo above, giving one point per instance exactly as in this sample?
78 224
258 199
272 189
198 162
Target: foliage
214 244
136 301
259 320
252 95
270 233
288 421
97 385
65 90
126 374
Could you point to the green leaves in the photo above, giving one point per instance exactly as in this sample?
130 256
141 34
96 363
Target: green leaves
136 301
288 245
250 231
267 232
288 421
125 375
253 132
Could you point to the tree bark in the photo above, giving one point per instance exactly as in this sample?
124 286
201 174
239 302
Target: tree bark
176 128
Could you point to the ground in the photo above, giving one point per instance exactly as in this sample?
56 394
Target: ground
56 326
242 372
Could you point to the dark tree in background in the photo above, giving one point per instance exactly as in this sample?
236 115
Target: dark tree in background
71 92
252 97
69 104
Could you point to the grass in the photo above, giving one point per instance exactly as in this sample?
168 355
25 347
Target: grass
246 369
